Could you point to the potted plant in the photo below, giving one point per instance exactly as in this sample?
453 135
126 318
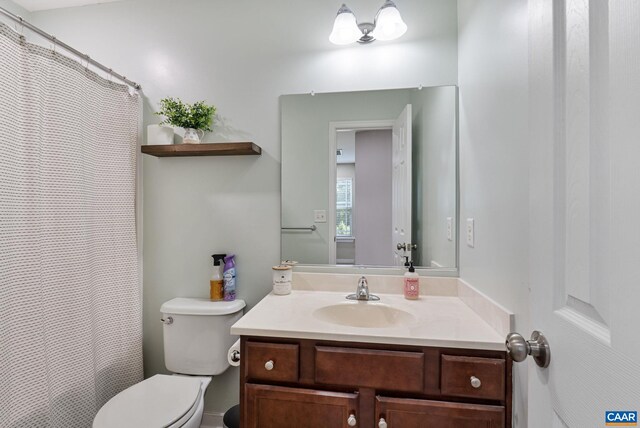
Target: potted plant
194 118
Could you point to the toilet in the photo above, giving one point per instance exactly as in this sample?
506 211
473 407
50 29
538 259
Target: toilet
196 341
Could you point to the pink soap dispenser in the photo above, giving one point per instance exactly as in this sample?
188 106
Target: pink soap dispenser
411 283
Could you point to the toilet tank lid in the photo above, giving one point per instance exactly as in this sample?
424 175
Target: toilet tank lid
194 306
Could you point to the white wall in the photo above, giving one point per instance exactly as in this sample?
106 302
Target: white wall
434 128
240 55
493 80
373 199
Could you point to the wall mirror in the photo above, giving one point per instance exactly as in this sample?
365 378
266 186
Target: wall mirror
369 179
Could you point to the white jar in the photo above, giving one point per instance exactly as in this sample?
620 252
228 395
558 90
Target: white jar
282 276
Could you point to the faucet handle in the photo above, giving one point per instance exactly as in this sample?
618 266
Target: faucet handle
362 282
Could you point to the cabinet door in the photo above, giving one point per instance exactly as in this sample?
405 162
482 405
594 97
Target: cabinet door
407 413
280 407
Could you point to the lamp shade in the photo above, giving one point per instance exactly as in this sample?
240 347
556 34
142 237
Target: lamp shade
345 27
389 23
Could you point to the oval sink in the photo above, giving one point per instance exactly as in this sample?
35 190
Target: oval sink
363 314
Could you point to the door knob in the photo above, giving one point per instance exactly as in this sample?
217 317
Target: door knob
406 247
352 420
538 347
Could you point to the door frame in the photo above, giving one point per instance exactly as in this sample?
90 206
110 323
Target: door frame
334 127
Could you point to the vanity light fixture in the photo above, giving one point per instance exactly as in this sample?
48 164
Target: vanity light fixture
387 25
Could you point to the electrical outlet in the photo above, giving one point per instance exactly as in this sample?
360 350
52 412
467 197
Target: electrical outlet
470 233
450 228
320 216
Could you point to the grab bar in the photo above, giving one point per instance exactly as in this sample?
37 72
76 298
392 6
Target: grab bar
311 228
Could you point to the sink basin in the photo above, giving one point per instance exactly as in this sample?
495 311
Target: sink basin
364 314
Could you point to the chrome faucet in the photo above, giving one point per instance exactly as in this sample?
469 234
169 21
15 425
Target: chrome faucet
362 292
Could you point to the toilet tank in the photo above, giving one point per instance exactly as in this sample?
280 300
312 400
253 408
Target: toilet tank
196 334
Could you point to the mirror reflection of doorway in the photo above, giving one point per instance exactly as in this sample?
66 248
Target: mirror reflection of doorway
363 197
371 204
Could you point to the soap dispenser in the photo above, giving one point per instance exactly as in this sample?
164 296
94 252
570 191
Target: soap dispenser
411 283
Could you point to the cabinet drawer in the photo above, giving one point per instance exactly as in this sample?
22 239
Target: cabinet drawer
271 361
386 370
473 377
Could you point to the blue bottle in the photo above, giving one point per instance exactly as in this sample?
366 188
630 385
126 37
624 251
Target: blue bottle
229 276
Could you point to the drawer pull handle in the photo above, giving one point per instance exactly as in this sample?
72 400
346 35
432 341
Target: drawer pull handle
352 420
475 382
269 365
382 423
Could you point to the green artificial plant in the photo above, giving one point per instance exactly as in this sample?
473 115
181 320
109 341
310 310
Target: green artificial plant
197 115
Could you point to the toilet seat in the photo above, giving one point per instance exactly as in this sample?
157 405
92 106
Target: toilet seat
162 401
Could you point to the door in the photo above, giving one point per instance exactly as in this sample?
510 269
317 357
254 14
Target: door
408 413
584 209
401 184
280 407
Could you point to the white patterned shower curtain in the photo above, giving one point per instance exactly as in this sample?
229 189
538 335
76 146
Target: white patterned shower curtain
70 298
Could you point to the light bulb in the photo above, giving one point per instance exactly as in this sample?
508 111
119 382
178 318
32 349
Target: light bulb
345 27
389 23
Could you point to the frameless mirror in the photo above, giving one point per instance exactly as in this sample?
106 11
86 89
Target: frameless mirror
370 178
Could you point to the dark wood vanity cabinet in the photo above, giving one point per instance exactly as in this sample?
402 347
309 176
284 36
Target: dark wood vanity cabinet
288 383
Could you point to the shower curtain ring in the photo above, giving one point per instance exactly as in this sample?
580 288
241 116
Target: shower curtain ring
54 40
21 28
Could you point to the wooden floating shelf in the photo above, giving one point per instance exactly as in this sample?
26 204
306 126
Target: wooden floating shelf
202 149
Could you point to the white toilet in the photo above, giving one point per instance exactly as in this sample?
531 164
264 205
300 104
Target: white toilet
196 341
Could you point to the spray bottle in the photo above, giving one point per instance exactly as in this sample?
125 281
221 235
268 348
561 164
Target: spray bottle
217 280
229 278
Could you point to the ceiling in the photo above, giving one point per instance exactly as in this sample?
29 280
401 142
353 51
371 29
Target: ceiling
35 5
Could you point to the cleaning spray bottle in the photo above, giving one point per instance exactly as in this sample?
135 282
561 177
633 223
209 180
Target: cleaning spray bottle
217 280
229 278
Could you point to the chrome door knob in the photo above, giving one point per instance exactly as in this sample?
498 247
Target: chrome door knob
382 423
538 347
401 246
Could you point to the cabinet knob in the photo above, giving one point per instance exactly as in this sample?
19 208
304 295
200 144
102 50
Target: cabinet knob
382 423
269 365
475 382
352 420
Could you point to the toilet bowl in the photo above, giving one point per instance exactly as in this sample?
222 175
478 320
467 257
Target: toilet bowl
161 401
196 340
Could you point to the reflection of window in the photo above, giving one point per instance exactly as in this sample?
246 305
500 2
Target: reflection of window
344 207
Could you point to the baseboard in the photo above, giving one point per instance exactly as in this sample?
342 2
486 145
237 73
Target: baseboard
211 420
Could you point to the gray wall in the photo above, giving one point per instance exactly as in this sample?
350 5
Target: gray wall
434 175
493 79
372 208
241 56
15 9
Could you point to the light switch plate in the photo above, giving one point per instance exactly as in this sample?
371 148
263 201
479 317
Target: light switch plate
320 216
450 228
470 233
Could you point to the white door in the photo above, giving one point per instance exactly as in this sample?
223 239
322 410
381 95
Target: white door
401 185
585 209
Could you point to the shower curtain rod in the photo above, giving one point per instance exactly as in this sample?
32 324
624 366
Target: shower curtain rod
65 46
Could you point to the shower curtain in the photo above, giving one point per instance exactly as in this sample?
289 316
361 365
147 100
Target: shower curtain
70 296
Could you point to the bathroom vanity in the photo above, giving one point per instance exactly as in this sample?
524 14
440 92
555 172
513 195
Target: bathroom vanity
312 359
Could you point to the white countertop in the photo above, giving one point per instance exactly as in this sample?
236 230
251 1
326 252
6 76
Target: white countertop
441 321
